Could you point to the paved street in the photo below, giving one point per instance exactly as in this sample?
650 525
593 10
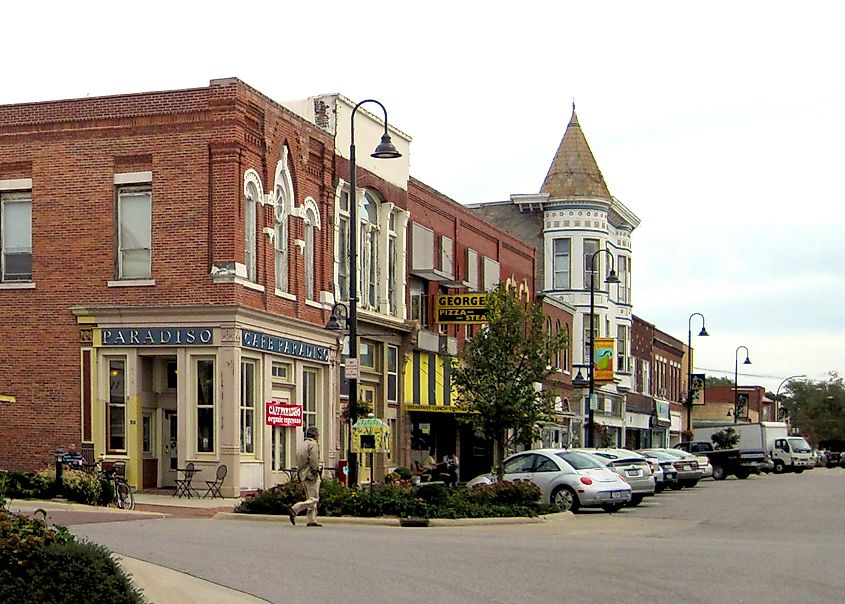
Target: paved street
765 539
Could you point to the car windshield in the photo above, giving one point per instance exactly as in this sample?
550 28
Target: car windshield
799 445
676 453
579 461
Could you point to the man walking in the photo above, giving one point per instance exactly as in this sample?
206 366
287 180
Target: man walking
308 469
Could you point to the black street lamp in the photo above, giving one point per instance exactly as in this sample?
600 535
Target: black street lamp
611 278
747 361
779 411
703 332
384 150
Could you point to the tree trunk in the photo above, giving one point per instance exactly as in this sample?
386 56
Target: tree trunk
500 454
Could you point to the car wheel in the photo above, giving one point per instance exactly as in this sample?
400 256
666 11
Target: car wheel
779 467
635 500
719 473
799 470
612 508
566 499
690 483
742 474
677 485
658 488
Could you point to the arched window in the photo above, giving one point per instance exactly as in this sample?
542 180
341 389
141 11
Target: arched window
282 201
312 223
567 362
280 240
368 245
557 333
252 195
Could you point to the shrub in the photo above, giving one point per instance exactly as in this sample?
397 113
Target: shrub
43 564
426 501
30 485
78 572
82 487
404 473
275 500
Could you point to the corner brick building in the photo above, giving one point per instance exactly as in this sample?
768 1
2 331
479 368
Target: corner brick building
169 260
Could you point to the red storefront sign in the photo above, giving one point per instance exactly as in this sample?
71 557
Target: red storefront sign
282 414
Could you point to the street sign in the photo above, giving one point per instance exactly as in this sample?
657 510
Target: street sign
352 369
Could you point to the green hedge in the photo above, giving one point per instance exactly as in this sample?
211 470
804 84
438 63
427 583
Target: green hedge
504 499
43 564
78 486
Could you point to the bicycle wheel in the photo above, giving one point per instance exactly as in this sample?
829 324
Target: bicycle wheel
123 496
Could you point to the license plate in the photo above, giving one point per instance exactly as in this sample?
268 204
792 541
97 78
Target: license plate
687 467
632 472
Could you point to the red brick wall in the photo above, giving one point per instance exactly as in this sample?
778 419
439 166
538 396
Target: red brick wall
198 143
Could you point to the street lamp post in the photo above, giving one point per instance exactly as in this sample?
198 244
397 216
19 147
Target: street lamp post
703 332
385 150
747 361
777 394
611 278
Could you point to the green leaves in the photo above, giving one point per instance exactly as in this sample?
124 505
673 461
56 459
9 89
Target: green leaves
498 371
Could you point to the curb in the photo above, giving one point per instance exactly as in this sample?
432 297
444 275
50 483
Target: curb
395 522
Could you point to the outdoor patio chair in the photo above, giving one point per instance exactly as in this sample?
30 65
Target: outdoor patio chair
214 485
183 485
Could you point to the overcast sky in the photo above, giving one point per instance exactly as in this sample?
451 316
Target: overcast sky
720 125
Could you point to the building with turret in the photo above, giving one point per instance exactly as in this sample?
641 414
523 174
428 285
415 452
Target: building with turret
581 233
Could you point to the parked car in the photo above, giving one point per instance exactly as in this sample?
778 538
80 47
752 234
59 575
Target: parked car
661 478
667 463
686 464
631 466
569 479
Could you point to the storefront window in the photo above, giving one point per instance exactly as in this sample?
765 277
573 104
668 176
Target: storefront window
309 397
116 421
205 405
247 422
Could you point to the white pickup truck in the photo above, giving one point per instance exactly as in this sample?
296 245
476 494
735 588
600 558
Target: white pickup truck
788 453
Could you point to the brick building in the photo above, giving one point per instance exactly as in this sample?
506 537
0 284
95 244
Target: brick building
170 260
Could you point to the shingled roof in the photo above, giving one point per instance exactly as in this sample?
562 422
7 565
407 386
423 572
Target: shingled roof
574 171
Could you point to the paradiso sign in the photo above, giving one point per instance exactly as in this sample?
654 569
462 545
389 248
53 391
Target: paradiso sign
156 336
462 309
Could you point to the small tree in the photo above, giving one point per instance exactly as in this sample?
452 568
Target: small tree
725 439
497 372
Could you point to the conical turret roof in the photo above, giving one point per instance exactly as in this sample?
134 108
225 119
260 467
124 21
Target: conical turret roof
574 171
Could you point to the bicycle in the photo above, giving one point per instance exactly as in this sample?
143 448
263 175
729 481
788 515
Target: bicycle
124 496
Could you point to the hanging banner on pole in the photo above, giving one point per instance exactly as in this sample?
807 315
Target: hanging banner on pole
696 388
603 360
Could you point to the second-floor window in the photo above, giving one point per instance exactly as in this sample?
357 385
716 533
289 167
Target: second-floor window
645 377
280 239
343 246
624 271
16 236
622 348
591 246
250 210
311 225
560 264
419 301
134 233
369 256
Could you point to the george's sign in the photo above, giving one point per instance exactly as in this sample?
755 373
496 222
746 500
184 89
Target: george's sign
283 414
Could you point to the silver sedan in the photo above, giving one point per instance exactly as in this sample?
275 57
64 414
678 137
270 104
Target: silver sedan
570 479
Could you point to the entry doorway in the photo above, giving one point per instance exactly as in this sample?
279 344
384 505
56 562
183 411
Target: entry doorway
169 455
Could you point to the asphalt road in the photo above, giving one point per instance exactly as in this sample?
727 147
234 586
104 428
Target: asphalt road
765 539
